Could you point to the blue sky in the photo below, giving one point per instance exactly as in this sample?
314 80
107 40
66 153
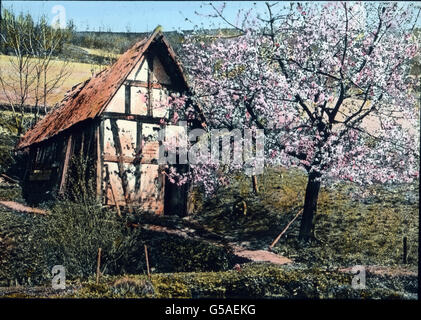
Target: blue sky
137 16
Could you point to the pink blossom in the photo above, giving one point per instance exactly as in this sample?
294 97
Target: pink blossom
312 65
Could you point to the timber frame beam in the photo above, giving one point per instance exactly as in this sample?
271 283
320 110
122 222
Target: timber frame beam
65 169
123 116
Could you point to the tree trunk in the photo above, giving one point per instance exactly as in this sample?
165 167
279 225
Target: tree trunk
255 185
45 90
310 207
22 114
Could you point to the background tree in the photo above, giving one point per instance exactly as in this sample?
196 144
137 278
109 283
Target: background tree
50 73
32 47
16 38
328 83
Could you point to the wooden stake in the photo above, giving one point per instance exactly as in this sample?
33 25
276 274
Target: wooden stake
98 165
8 179
405 250
66 165
255 185
98 265
283 231
147 261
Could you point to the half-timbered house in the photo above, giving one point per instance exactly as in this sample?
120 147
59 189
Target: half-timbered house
112 119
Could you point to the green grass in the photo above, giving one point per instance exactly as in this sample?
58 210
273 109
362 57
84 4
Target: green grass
101 52
256 280
350 228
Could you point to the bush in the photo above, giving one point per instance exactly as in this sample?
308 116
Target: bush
81 180
69 235
7 143
73 232
171 253
132 287
6 158
11 193
12 163
22 257
181 255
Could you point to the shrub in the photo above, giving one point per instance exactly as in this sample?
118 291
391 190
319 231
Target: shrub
73 232
181 255
69 235
81 183
6 158
170 253
7 143
22 258
132 287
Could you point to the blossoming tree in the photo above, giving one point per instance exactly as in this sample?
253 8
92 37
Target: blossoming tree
328 83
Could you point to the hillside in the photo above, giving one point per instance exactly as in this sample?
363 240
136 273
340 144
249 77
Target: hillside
78 72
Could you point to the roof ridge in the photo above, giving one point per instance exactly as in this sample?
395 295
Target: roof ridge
147 41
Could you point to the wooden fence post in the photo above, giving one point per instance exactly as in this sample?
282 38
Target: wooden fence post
405 250
98 265
255 184
147 262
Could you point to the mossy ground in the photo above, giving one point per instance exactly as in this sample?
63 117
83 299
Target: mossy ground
255 280
354 225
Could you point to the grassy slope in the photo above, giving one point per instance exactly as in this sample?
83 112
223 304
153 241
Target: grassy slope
100 52
351 228
79 72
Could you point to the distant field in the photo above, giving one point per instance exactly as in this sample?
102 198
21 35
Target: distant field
100 52
79 72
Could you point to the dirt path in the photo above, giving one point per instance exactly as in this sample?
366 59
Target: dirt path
260 256
21 208
251 255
